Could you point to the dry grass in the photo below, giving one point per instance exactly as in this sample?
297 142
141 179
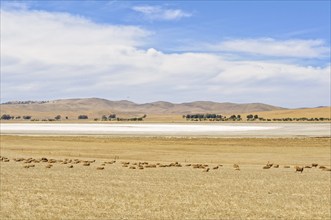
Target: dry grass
83 192
324 112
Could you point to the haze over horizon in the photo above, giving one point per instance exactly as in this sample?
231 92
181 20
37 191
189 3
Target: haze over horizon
276 53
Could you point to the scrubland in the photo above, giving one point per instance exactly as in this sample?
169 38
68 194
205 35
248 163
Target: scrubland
174 192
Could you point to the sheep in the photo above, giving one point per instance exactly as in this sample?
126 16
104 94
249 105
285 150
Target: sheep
206 170
151 166
132 167
314 164
235 166
299 169
188 165
71 166
100 168
307 166
28 166
269 164
86 164
215 168
49 166
322 167
276 166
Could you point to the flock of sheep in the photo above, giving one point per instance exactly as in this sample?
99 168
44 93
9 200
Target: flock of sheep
31 162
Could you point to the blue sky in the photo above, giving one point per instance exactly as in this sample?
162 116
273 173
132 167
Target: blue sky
276 52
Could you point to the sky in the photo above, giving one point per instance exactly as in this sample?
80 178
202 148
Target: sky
273 52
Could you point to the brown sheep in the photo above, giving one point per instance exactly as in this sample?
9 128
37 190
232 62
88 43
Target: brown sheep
49 166
215 168
100 168
269 164
299 169
314 164
86 164
276 166
206 170
71 166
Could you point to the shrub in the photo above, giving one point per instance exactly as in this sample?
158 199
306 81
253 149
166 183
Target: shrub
82 117
6 117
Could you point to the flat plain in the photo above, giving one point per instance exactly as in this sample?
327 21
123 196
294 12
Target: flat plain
170 192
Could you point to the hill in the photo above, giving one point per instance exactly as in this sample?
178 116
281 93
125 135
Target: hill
95 107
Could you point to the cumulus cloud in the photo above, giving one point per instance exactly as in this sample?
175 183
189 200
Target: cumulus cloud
161 13
277 48
57 55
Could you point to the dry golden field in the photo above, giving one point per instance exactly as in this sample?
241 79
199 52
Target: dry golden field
117 192
323 112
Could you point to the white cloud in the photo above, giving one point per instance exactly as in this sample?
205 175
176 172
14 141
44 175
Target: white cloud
277 48
160 13
14 5
56 55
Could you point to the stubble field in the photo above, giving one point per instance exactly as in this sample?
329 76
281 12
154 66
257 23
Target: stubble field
175 192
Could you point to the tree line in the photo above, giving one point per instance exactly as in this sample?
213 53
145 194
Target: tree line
211 117
250 117
110 117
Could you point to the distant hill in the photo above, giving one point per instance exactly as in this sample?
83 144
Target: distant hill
95 107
